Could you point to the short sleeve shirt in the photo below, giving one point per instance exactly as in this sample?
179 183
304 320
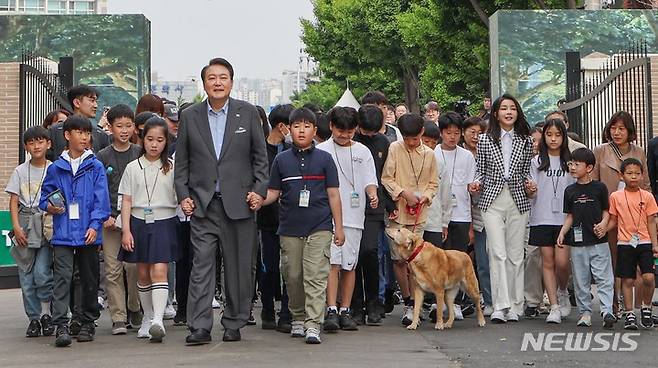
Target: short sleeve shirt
294 170
632 210
160 195
586 203
25 182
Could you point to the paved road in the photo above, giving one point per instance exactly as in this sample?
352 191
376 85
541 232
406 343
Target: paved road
389 345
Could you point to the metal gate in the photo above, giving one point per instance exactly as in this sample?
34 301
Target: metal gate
41 91
623 82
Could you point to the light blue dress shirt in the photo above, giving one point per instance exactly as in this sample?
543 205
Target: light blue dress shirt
506 139
217 123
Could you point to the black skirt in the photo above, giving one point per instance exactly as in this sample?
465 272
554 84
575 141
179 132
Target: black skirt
153 243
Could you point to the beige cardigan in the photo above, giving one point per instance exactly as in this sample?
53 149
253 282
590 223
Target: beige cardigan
607 166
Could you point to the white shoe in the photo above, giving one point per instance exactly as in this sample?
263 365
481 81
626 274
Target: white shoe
511 316
498 317
407 316
156 332
169 312
487 310
143 332
585 321
565 304
297 329
458 312
554 316
215 304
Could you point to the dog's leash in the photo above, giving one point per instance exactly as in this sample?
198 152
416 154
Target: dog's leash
417 209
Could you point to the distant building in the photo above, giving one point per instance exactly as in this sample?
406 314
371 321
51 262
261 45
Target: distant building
53 7
178 91
262 92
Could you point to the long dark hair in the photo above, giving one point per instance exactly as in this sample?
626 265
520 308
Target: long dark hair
565 155
521 126
158 122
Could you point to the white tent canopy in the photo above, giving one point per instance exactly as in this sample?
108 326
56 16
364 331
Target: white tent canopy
348 100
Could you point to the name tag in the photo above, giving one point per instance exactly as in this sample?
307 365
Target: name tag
304 198
556 205
578 234
635 240
74 211
453 200
119 200
354 200
149 216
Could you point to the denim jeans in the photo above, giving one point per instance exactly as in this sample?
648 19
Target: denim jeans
587 261
386 276
482 260
37 285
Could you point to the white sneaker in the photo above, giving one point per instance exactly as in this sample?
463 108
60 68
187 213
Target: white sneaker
487 310
215 304
156 332
313 336
498 317
554 316
143 332
585 321
297 329
169 312
407 315
458 312
565 304
511 316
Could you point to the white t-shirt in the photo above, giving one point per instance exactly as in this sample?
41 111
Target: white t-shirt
548 204
356 171
162 193
440 210
26 182
459 169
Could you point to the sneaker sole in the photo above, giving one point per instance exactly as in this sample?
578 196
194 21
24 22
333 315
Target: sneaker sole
85 338
63 344
120 331
297 335
157 333
313 341
632 328
584 324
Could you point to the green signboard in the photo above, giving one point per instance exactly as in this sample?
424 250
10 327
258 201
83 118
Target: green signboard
5 243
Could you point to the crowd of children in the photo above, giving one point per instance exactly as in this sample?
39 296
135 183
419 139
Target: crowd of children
492 188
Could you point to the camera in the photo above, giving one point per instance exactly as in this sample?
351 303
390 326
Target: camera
461 107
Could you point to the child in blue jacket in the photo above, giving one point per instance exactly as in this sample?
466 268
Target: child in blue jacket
74 191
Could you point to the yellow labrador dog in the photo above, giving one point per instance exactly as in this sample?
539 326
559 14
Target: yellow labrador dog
438 271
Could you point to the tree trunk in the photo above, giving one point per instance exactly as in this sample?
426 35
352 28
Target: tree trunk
478 9
410 78
571 4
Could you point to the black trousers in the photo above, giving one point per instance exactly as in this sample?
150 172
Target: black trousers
270 281
367 268
183 267
85 259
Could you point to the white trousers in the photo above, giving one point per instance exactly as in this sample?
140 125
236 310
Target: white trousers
506 231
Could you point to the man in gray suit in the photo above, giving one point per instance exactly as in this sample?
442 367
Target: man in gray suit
221 179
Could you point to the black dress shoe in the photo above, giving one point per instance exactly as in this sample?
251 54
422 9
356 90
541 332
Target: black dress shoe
198 337
231 335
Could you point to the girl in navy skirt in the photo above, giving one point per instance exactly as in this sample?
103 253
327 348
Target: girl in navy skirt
148 215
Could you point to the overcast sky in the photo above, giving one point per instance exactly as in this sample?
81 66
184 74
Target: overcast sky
260 38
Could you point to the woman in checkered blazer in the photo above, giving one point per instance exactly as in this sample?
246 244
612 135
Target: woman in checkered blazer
503 166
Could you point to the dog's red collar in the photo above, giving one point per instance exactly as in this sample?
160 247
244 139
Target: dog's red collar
415 253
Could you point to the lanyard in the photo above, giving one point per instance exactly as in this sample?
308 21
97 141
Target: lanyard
639 216
148 195
454 162
351 182
29 184
413 169
555 182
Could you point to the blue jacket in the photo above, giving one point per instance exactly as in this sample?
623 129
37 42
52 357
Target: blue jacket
88 188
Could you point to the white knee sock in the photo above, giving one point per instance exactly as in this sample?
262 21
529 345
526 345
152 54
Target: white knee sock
145 299
159 294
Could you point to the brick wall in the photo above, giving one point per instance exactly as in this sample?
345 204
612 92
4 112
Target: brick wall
9 92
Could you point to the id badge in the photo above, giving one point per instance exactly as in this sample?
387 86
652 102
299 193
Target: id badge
354 200
119 199
453 200
149 216
74 211
304 198
578 234
556 206
635 240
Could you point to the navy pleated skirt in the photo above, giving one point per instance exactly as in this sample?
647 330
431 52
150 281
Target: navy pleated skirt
154 243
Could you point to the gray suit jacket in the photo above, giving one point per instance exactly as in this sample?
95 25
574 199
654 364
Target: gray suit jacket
242 164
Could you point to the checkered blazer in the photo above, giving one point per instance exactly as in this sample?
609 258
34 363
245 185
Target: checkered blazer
490 169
